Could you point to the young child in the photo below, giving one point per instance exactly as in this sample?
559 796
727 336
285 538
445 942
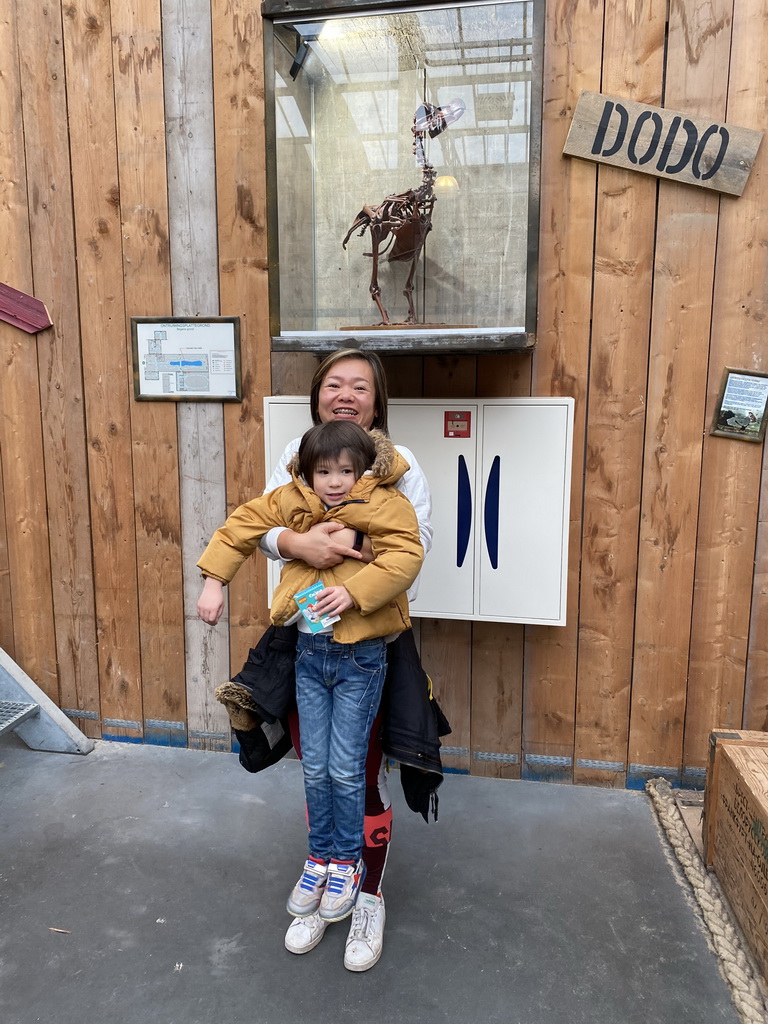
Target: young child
343 474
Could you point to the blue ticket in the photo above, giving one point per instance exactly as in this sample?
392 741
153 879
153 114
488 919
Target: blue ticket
304 600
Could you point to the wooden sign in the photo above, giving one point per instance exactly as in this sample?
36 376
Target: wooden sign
665 143
22 310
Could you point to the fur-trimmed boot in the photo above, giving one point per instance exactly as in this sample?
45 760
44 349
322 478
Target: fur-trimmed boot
240 706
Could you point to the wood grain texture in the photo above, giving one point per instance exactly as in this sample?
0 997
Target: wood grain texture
496 721
687 226
624 241
21 441
96 196
648 139
6 605
140 121
187 62
572 59
755 714
59 358
292 374
242 236
730 479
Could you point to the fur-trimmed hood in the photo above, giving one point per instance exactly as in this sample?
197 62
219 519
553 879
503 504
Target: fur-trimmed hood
388 465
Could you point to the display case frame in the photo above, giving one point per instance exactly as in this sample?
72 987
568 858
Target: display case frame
400 337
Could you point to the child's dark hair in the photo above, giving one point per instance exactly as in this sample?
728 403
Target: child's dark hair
326 442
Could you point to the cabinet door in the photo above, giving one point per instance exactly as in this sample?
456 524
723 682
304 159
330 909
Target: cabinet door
523 547
446 585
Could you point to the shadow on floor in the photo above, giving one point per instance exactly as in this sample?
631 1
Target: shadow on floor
146 884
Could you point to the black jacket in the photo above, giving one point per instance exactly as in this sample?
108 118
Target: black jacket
412 719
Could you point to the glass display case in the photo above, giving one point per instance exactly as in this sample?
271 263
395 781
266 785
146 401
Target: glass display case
404 175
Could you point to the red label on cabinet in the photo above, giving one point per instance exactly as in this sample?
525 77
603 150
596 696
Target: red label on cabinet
458 424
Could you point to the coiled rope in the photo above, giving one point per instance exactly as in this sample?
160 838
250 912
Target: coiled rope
745 990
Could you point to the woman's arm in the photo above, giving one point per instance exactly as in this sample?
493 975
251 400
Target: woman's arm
414 486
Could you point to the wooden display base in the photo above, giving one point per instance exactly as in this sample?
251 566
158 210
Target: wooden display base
408 339
412 327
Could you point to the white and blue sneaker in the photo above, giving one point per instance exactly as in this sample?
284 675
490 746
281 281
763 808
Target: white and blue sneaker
341 889
306 894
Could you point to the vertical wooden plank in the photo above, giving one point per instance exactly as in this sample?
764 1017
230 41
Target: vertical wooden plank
405 379
730 478
21 442
60 360
140 119
446 645
91 108
496 710
187 61
755 714
624 239
697 70
756 690
498 648
292 374
572 61
450 376
6 606
242 212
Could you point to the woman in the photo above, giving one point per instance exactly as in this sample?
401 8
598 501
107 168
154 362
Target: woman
351 385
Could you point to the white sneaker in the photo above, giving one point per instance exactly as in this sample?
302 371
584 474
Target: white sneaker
305 933
366 934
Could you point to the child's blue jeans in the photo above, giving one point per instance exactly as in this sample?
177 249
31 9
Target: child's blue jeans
338 690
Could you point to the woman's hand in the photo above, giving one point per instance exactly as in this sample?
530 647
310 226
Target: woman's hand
332 601
211 602
319 548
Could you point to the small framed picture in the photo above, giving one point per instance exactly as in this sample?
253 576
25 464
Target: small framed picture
741 406
186 359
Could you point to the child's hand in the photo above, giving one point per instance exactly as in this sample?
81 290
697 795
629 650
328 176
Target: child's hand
211 602
332 601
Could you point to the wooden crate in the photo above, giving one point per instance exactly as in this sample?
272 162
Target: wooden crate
738 737
740 841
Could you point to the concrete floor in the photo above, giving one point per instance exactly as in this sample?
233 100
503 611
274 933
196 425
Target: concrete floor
167 870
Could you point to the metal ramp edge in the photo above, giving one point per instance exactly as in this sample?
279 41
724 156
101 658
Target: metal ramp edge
36 719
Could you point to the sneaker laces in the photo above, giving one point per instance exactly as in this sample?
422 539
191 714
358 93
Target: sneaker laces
362 922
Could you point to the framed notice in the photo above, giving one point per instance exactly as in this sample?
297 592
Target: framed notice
186 359
741 406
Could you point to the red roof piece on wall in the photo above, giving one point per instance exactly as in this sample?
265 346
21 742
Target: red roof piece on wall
22 310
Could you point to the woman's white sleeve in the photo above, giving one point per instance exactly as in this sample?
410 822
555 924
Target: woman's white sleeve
280 476
416 489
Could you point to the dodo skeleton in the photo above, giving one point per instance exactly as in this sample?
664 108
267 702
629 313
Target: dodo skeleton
400 224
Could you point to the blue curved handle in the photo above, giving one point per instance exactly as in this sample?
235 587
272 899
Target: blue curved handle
463 512
491 513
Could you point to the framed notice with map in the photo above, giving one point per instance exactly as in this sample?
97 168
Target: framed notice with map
741 405
186 359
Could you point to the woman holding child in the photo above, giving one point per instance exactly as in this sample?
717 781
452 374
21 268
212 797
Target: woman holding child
335 510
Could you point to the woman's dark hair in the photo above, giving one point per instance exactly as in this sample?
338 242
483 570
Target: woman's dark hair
379 384
327 441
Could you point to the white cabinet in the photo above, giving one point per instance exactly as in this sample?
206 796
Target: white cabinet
499 470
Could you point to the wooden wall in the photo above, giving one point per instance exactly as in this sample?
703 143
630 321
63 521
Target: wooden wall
132 183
